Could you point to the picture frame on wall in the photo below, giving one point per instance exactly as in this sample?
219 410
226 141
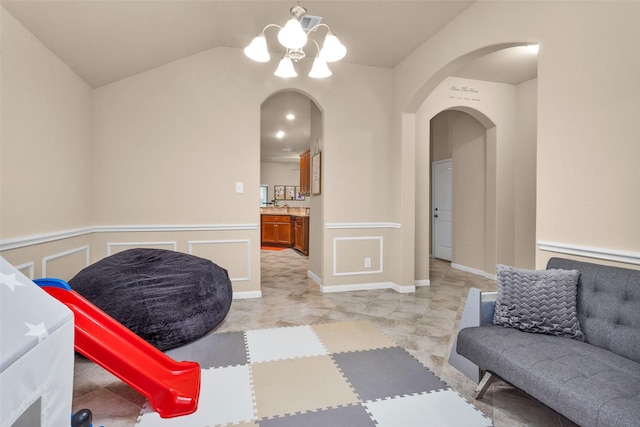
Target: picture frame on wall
316 174
279 192
290 192
298 195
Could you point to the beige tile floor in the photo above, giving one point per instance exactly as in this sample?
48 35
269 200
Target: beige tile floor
423 322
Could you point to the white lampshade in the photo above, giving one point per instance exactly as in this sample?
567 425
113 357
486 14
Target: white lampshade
332 50
257 49
285 68
319 70
292 36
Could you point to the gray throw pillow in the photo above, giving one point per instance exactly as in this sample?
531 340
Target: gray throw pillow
542 301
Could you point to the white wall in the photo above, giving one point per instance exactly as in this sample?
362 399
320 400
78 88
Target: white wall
170 144
588 102
45 170
282 173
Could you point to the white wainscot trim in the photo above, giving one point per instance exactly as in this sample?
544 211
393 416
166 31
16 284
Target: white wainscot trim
380 240
29 266
192 243
313 276
36 239
178 227
46 259
247 294
368 287
151 245
360 225
627 257
474 271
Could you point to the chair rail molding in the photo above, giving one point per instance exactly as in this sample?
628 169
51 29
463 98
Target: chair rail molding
358 225
616 255
36 239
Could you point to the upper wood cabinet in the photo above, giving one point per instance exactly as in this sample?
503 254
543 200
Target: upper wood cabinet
305 173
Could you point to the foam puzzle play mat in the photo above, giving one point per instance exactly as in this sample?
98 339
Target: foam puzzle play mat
334 374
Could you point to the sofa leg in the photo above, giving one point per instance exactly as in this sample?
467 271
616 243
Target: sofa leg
483 385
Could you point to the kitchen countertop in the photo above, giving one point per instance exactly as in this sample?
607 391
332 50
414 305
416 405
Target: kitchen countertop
290 210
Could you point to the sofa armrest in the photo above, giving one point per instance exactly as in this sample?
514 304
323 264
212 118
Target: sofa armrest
478 311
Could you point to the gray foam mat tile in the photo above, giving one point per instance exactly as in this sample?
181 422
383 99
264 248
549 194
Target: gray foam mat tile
213 350
386 372
348 416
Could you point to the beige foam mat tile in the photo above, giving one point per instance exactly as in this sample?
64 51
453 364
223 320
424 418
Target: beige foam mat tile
351 336
299 385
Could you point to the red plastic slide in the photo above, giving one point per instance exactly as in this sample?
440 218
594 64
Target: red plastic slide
171 387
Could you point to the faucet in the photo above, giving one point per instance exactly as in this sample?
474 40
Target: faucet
274 202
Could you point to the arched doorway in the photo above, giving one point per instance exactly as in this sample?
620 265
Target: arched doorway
506 198
459 141
291 124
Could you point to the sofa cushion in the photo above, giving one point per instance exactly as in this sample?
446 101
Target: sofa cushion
608 305
589 385
542 301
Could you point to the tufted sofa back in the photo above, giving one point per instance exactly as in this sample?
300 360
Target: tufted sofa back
608 305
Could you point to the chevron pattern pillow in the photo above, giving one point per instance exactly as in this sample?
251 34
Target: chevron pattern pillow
542 301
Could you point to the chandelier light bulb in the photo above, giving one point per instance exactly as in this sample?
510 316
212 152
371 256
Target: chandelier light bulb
319 70
292 36
257 49
285 68
332 50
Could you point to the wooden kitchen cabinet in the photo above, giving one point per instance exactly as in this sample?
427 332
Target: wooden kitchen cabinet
301 241
276 230
305 173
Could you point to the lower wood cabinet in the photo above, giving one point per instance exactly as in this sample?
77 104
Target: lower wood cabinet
301 232
277 230
285 230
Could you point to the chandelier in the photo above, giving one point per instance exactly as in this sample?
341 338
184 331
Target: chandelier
294 39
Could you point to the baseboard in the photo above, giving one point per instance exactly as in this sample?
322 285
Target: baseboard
367 287
475 271
420 283
311 275
247 294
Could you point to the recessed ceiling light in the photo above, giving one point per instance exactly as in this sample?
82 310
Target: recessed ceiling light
280 134
290 116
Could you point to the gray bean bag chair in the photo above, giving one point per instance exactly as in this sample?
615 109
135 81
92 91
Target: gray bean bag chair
167 298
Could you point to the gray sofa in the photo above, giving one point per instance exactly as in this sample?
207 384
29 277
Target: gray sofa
592 383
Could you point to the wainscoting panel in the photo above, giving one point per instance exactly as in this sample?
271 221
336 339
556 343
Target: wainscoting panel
72 260
232 255
27 269
350 255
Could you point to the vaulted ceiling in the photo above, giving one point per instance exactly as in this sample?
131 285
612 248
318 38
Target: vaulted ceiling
107 40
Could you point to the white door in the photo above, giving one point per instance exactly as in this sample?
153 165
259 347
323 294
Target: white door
442 202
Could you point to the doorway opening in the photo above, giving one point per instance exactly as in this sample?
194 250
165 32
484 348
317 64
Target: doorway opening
460 195
290 126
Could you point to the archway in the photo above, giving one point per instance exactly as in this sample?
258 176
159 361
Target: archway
508 228
291 124
460 138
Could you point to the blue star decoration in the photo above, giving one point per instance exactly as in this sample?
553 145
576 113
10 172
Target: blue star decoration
39 331
10 280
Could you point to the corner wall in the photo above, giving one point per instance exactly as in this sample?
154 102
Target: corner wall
45 171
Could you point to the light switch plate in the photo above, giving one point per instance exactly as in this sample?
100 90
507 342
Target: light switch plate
239 187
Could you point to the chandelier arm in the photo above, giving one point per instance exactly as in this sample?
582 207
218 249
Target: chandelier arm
316 43
315 27
270 25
